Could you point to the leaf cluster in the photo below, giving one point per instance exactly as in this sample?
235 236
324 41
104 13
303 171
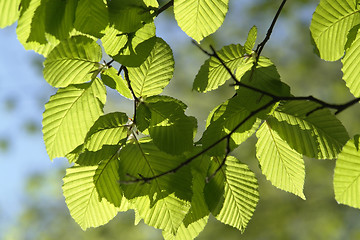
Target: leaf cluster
149 161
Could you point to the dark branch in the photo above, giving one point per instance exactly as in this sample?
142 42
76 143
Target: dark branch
228 150
189 160
136 99
274 99
166 6
261 46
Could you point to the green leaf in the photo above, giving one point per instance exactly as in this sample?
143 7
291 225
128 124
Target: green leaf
331 22
92 158
169 127
197 217
73 61
264 77
9 12
129 49
69 114
213 74
198 18
24 29
347 174
111 79
129 16
163 202
223 121
108 129
318 135
85 204
351 66
155 72
92 17
281 165
232 195
251 39
60 17
106 181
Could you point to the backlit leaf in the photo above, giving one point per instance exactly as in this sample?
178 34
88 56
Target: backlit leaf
213 74
224 120
164 202
129 49
155 72
200 18
331 22
9 12
281 165
72 61
347 174
69 114
318 135
92 17
351 65
108 129
111 79
171 130
232 195
85 205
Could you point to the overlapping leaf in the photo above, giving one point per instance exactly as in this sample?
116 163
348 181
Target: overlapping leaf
331 22
81 186
111 79
109 129
351 64
318 135
69 114
24 29
282 165
197 217
128 16
164 202
250 41
347 174
213 74
73 61
9 12
232 195
261 80
225 119
199 18
106 181
92 17
169 127
59 18
129 49
155 72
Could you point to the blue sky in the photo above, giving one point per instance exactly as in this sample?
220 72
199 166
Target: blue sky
22 86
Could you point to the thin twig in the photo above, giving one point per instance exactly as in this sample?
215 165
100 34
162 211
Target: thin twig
274 99
228 150
136 99
166 6
189 160
261 46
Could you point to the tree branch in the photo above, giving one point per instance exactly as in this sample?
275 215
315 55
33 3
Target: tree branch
274 99
136 99
166 6
261 46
